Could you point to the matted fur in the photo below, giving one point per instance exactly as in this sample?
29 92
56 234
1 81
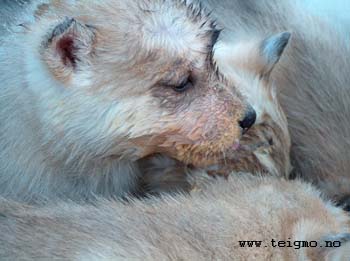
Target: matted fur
265 148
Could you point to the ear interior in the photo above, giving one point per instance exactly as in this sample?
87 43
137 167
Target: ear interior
67 50
70 44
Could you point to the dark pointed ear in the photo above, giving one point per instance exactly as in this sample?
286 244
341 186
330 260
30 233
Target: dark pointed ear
69 45
253 55
333 247
271 50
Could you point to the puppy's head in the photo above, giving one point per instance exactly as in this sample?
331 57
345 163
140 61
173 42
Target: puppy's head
133 78
249 63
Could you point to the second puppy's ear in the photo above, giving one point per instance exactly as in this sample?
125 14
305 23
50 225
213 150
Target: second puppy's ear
271 50
68 46
253 55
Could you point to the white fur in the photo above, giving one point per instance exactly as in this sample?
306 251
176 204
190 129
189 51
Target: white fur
33 109
168 28
62 136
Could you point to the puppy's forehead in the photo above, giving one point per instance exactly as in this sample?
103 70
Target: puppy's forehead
177 28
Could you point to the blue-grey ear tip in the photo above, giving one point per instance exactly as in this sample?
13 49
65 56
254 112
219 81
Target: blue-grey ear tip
282 41
286 36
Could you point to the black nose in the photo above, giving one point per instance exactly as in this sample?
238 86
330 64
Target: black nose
248 120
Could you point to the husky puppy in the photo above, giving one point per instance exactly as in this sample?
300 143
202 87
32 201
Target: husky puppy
290 219
89 89
313 81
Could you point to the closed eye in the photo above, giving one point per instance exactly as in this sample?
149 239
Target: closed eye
186 84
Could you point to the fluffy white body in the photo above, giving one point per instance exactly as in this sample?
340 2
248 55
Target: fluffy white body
206 225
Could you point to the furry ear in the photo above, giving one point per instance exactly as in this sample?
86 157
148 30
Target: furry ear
271 50
253 55
68 46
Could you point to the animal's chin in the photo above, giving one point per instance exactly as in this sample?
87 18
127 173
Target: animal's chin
204 156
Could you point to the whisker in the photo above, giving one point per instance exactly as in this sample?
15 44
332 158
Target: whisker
224 156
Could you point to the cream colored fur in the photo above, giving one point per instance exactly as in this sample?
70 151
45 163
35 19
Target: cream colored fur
86 91
265 147
312 78
204 226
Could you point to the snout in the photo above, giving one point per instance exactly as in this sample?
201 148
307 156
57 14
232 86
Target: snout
248 119
204 131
